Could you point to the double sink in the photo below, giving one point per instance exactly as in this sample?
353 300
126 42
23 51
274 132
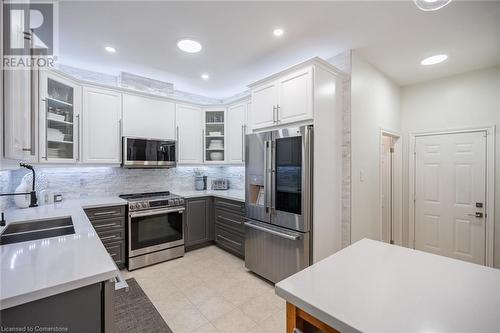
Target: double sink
37 229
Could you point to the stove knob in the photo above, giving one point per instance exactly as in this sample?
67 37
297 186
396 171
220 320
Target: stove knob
176 201
144 205
132 206
181 201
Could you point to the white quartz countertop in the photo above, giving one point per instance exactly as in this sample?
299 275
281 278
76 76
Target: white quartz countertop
372 286
232 194
37 269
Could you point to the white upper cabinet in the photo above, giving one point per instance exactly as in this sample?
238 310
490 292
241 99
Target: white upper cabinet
264 101
283 100
20 118
148 117
295 97
59 119
101 125
189 127
236 133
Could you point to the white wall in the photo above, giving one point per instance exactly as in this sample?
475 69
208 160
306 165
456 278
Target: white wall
462 101
375 104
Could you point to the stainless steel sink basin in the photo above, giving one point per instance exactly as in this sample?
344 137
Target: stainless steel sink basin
37 229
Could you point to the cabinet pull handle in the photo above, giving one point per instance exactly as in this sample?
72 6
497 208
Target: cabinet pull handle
31 149
105 213
274 113
229 240
277 113
229 220
46 129
99 226
177 154
108 237
243 130
203 145
78 142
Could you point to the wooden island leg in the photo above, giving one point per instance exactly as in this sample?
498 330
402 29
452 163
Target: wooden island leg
296 317
292 320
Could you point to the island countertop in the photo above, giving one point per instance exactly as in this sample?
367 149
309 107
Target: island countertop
41 268
372 286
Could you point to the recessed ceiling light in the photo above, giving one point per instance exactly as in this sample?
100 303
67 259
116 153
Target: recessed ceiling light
278 32
189 45
205 76
430 5
110 49
436 59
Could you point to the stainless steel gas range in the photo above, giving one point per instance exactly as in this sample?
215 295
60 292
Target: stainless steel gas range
155 228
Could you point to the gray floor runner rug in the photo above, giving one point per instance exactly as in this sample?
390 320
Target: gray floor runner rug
134 312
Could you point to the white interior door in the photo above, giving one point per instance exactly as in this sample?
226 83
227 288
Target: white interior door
450 175
386 187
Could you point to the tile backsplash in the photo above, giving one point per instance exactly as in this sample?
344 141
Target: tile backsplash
77 182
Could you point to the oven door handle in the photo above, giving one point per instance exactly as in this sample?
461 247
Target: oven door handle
156 212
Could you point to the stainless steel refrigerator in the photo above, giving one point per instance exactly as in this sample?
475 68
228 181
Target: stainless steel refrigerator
278 193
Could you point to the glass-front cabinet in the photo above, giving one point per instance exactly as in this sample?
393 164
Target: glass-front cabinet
59 112
214 136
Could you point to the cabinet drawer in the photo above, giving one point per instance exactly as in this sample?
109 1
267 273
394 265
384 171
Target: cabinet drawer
106 224
236 206
230 220
109 236
230 241
105 212
117 251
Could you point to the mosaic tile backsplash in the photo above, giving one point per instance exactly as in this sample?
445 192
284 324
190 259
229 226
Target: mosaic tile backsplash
77 182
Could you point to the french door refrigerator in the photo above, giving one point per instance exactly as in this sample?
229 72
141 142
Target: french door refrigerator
278 194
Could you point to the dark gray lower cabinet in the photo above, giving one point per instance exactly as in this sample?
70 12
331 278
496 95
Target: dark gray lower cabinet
230 226
109 223
199 223
80 310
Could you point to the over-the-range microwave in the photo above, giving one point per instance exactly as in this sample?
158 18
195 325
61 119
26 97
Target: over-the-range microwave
148 153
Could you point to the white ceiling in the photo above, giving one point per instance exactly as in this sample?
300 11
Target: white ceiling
239 47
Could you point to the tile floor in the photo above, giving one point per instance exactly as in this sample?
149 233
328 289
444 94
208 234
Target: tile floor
210 290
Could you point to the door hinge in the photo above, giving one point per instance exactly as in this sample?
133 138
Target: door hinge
392 150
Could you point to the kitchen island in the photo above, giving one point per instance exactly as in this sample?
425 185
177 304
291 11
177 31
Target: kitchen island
372 286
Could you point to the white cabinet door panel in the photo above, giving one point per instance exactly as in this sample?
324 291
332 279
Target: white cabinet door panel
146 117
264 100
189 120
236 133
295 97
101 118
450 181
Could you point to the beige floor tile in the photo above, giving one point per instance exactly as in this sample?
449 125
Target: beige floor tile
199 293
234 322
262 307
186 320
214 307
276 323
172 304
207 328
240 293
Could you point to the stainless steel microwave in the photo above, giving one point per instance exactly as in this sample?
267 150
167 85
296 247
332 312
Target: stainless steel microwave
148 153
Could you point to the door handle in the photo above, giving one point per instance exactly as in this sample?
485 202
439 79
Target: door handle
477 215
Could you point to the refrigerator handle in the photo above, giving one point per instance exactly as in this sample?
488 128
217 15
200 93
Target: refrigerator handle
267 178
272 189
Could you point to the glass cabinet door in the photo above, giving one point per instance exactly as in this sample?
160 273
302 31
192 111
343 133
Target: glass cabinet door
60 121
214 140
288 181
